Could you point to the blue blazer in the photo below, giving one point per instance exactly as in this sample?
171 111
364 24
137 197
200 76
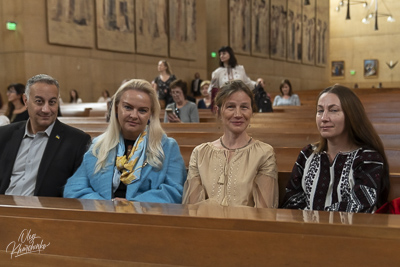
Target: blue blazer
161 186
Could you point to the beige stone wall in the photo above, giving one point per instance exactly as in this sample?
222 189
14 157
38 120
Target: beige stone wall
302 77
27 52
353 42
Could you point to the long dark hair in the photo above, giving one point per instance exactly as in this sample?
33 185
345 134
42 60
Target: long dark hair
360 130
20 90
286 81
232 59
71 99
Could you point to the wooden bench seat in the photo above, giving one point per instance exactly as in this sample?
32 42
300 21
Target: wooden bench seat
107 233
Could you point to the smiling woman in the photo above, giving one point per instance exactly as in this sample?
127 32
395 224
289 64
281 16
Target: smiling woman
133 159
234 170
347 169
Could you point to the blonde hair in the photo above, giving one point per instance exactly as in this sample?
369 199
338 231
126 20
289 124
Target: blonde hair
206 82
110 138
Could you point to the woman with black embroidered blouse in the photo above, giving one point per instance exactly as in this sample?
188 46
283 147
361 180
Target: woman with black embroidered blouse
347 169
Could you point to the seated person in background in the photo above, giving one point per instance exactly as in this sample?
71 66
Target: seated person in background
287 98
205 102
16 110
74 97
181 110
133 159
347 169
261 97
39 155
234 170
105 97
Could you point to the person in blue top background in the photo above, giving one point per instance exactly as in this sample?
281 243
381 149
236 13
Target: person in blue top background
133 159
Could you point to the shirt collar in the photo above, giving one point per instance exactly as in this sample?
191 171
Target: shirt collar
47 131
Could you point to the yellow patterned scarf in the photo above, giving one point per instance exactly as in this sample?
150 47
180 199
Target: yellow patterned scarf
131 167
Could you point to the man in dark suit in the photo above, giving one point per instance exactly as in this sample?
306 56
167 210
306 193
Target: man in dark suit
196 85
37 156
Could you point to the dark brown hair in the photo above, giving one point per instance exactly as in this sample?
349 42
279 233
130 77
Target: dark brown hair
286 81
360 130
181 84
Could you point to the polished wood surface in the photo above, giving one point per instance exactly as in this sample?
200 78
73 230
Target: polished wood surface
113 233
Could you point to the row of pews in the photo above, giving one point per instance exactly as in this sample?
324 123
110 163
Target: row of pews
121 233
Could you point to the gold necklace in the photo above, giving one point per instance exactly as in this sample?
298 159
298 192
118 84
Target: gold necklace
232 149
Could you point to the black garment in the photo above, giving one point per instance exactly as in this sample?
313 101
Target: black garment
21 117
61 157
196 89
263 102
121 190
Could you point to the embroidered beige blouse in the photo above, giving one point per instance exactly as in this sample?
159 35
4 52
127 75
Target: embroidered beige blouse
249 178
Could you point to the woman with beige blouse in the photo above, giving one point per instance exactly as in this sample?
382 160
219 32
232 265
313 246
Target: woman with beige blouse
234 170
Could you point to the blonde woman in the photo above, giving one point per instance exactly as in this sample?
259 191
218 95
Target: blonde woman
133 159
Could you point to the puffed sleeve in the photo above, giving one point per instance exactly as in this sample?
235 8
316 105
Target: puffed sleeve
251 84
368 175
266 190
193 190
295 197
296 100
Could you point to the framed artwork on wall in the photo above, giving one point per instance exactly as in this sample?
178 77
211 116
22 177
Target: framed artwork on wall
370 68
70 22
337 69
151 27
294 30
278 38
260 28
182 30
321 33
240 26
308 55
115 25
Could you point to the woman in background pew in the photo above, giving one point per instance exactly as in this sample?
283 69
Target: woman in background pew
287 98
234 170
133 159
347 169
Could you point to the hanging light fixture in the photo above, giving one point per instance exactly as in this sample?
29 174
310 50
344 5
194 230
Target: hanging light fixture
374 14
348 3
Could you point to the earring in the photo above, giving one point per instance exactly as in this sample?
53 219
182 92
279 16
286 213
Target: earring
148 122
116 115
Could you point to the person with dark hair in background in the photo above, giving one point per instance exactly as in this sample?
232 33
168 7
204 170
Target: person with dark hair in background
105 97
228 70
347 169
16 110
74 97
196 85
261 97
287 98
181 110
37 156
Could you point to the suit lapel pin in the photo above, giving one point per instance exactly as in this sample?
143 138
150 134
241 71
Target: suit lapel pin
57 136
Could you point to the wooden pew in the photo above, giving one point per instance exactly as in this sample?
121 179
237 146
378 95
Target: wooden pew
106 233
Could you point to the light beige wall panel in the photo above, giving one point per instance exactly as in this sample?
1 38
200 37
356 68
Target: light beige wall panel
353 42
